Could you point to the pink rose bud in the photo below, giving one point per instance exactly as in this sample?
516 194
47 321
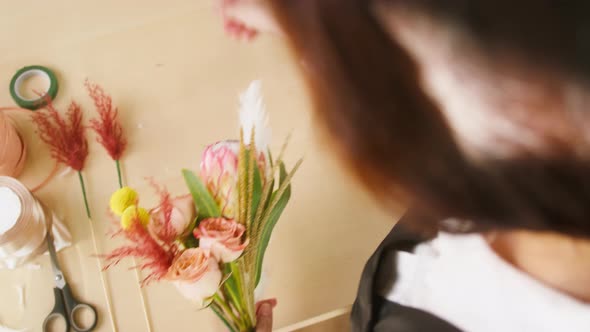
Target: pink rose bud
182 214
222 237
196 275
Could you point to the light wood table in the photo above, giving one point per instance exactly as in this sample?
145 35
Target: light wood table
175 77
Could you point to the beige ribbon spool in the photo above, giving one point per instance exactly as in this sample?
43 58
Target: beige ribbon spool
25 238
12 148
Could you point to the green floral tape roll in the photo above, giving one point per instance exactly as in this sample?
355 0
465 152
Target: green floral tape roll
25 73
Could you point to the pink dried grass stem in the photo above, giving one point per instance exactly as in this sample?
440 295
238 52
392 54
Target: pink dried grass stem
66 138
155 258
107 126
156 251
166 233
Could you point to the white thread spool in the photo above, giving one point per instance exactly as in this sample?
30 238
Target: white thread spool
23 223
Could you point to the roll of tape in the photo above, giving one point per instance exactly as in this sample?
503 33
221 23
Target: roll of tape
19 78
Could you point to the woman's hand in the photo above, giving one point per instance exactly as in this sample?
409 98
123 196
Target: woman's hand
245 19
264 315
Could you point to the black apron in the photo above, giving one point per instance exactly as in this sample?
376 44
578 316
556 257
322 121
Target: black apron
371 312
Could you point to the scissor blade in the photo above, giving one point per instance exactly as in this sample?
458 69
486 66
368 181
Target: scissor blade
58 275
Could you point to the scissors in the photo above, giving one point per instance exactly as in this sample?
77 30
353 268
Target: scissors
66 306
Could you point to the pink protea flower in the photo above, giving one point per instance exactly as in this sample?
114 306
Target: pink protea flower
107 126
66 137
219 171
219 165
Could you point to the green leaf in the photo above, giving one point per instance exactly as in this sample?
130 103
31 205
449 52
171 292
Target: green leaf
270 160
190 241
230 282
271 222
187 238
256 192
206 206
270 194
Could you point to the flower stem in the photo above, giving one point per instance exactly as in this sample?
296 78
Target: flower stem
237 275
221 302
231 294
119 173
84 194
218 311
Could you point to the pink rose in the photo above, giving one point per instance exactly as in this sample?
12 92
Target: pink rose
181 214
196 274
219 172
222 237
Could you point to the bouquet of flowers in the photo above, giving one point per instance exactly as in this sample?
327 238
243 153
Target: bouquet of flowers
210 243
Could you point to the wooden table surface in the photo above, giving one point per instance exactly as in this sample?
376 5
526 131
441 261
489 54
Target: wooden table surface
175 77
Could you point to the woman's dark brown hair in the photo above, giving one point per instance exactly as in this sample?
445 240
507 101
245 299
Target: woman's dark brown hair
367 95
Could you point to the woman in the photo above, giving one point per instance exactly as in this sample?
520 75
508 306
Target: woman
476 114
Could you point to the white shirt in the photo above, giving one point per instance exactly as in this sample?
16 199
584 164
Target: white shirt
460 279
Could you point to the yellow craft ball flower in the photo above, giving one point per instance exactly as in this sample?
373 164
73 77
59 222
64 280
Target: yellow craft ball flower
133 212
122 199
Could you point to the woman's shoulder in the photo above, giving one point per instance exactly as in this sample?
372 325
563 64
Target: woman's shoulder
457 281
372 312
392 316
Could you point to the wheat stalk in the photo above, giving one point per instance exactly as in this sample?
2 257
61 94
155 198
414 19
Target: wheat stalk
252 164
269 182
282 188
242 195
252 250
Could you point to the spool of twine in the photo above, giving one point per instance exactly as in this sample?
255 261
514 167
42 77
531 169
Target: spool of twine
23 223
13 151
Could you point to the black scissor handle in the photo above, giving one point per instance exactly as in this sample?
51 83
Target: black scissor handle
58 311
74 306
83 306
